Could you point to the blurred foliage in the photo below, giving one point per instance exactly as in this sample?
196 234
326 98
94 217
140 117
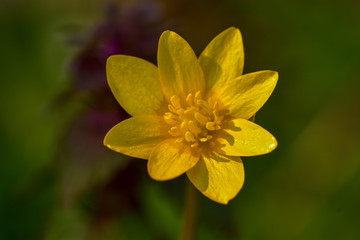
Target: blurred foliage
55 185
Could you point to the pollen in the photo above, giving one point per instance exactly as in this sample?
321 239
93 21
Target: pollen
194 120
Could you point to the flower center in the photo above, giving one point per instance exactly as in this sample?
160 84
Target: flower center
194 120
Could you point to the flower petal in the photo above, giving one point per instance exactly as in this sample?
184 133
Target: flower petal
223 58
240 137
180 71
170 159
132 81
218 177
137 136
245 95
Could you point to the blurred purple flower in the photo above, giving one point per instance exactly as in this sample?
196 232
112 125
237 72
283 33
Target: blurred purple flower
85 163
132 30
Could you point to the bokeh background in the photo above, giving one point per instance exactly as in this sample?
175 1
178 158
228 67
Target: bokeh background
57 181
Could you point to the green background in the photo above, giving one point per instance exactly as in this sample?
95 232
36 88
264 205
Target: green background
306 189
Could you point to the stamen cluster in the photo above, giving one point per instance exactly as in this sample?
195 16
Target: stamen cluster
193 120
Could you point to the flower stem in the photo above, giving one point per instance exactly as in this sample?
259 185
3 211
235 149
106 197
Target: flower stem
191 200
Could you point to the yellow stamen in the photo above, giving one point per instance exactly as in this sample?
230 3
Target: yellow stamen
217 117
175 100
172 109
194 128
180 111
195 122
189 137
203 104
197 96
194 145
210 101
200 118
170 118
184 127
175 131
189 99
190 111
210 126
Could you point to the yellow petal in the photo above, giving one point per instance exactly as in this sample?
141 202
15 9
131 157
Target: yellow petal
240 137
223 58
180 71
137 136
170 159
245 95
135 84
218 177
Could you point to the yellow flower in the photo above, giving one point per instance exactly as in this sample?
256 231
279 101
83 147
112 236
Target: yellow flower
191 115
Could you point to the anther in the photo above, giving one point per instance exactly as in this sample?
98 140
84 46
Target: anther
172 109
217 117
184 127
190 111
189 99
168 115
194 128
174 131
175 100
201 118
210 101
203 104
197 95
189 137
210 126
179 140
180 111
196 144
170 118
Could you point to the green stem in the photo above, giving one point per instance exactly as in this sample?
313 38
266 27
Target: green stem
191 200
